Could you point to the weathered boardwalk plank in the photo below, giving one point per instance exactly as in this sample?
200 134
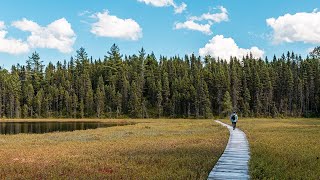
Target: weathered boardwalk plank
233 164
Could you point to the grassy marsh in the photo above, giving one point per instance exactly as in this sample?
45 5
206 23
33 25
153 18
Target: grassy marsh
283 148
151 149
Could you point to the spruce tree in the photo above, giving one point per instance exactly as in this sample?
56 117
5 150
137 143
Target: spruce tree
134 102
141 86
159 99
227 104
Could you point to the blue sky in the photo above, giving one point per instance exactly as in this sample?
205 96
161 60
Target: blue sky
236 27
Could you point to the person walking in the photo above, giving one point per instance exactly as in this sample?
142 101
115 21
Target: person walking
234 119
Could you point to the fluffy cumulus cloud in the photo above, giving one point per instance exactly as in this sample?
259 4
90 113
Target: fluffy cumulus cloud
224 48
112 26
164 3
204 22
299 27
10 45
57 35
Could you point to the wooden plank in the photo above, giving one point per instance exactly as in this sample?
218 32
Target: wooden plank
232 167
233 164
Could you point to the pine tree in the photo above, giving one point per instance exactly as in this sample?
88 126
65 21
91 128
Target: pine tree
119 103
29 98
74 105
88 100
25 111
257 86
134 102
81 106
166 94
38 103
159 99
227 104
100 97
125 93
246 105
315 53
89 103
68 103
14 90
206 105
36 68
140 86
235 84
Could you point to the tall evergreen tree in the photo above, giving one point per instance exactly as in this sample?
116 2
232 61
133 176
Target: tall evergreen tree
227 104
142 86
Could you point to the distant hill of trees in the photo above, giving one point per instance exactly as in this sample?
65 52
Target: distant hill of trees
140 86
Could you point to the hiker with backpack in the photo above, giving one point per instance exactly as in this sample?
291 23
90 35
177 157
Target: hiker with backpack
234 119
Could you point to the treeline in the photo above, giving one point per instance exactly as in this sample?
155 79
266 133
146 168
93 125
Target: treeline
140 86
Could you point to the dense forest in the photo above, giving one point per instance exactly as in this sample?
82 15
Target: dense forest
141 86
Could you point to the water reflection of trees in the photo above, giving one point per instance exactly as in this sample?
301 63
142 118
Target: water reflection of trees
47 127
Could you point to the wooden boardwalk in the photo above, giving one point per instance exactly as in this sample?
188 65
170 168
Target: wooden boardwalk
233 164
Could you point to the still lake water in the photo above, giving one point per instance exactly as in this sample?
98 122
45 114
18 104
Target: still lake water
47 127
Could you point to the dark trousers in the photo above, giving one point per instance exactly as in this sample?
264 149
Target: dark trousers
234 125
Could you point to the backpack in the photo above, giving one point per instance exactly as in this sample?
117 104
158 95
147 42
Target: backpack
233 117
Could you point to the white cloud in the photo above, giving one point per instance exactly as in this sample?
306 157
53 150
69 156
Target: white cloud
299 27
2 25
180 9
224 48
213 18
83 13
158 3
191 25
10 45
194 22
112 26
166 3
57 35
26 25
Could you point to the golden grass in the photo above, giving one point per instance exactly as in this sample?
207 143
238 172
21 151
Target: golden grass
151 149
283 148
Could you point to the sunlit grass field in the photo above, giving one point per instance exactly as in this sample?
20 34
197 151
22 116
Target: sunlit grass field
283 148
151 149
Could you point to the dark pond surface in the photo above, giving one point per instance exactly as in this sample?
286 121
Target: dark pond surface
47 127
